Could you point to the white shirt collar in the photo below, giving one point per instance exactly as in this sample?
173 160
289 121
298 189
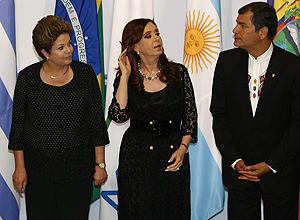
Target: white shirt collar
265 56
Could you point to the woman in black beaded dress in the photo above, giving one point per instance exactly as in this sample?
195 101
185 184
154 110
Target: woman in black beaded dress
158 98
58 130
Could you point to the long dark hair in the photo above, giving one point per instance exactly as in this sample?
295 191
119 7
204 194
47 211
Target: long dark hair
132 34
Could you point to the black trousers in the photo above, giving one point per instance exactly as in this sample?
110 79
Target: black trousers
53 201
246 204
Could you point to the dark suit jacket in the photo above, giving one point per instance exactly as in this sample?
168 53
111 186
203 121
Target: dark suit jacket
273 134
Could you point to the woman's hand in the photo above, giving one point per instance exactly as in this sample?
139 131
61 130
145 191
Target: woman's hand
100 176
20 179
178 156
124 64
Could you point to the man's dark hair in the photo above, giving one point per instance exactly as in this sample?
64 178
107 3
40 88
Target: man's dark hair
264 15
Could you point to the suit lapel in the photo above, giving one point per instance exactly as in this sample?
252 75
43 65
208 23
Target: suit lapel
271 78
243 80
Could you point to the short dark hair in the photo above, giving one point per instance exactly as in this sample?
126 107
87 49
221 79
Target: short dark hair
264 15
47 30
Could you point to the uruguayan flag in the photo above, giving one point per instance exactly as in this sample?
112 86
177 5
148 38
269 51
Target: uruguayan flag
201 48
9 209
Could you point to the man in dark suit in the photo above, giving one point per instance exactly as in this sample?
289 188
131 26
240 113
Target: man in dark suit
256 119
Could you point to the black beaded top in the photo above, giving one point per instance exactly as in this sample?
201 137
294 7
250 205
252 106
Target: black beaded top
58 127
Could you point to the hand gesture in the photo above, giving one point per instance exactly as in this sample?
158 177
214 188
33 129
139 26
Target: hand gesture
178 156
124 64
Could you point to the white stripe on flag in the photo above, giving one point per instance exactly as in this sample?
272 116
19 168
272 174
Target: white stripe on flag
8 62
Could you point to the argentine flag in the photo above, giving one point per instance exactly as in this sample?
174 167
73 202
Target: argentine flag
201 49
9 209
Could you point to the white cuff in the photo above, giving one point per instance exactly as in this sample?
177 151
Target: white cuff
234 163
274 171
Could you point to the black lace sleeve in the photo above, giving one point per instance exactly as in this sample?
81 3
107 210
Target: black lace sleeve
189 122
114 111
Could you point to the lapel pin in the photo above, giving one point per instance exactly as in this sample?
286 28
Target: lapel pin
273 75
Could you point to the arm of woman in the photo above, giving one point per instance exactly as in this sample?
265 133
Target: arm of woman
16 140
178 155
189 121
122 91
20 174
100 175
118 108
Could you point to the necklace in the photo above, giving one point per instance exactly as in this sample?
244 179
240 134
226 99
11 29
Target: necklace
147 77
55 77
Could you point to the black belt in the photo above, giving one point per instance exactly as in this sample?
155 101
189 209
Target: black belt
156 127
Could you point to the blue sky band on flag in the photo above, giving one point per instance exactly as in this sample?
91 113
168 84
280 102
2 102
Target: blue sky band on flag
80 44
82 14
288 31
9 209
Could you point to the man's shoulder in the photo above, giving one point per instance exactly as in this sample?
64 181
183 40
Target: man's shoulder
286 60
233 51
231 55
285 54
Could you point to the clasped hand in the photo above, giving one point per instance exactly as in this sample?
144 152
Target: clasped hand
253 172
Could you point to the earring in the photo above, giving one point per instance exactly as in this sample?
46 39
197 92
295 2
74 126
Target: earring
138 52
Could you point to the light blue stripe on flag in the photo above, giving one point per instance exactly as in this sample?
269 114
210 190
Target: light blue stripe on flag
206 181
5 109
8 205
216 4
7 19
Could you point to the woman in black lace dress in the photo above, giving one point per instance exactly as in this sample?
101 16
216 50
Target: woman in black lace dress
158 98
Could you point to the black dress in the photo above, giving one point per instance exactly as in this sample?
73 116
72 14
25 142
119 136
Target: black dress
146 190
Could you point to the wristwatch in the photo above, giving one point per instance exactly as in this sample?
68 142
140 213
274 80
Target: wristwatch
101 165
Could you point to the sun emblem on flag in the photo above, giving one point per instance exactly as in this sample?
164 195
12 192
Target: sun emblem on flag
202 41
